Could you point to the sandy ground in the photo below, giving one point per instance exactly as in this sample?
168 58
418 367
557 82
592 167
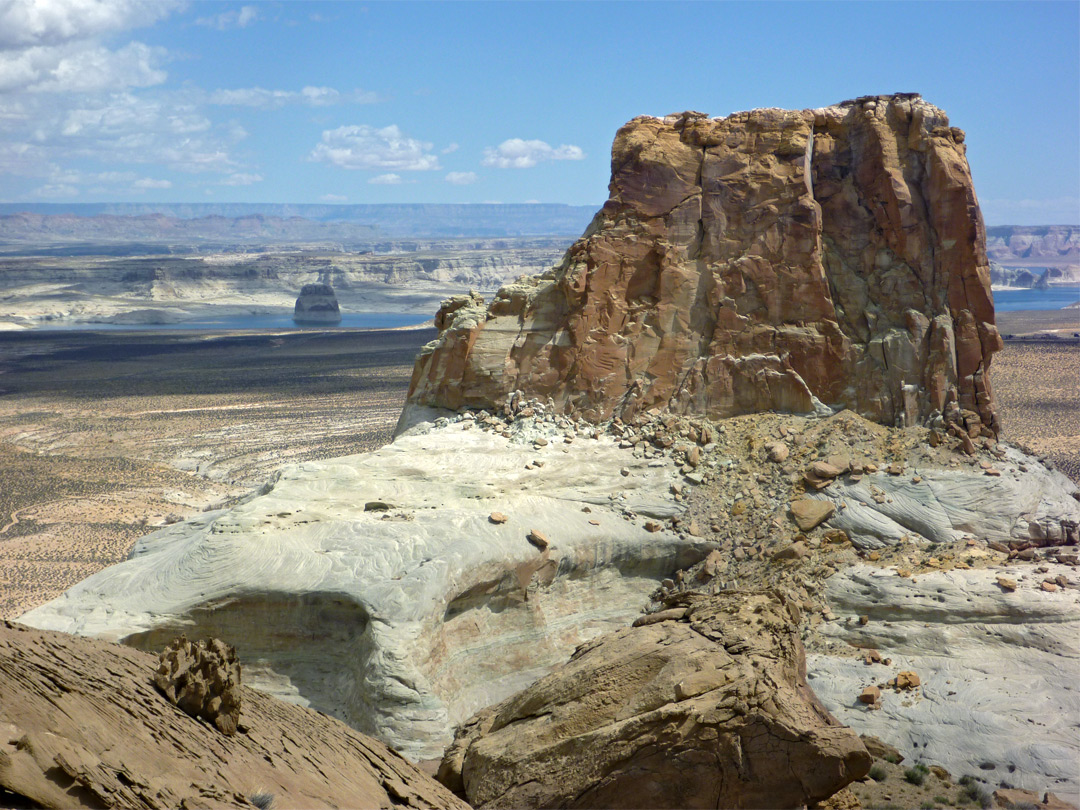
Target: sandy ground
1037 385
104 436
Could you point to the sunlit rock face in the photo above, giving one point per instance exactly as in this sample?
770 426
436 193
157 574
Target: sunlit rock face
317 304
771 260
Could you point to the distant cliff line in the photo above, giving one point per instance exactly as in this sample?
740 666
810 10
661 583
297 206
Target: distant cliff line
389 220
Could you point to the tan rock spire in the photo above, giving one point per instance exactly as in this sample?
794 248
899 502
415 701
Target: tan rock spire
771 260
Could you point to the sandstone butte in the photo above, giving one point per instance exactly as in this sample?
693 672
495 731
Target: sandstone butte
771 260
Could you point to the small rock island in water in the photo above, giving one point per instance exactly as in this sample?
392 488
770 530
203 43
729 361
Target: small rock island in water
317 304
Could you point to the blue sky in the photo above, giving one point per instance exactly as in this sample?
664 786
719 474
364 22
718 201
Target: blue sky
156 100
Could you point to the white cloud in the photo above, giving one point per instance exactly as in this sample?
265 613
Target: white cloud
239 18
274 99
516 153
56 190
151 183
125 113
79 67
364 147
122 128
333 198
28 23
461 178
451 148
386 180
241 179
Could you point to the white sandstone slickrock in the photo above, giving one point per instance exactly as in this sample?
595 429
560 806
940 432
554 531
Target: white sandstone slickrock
402 622
999 695
947 504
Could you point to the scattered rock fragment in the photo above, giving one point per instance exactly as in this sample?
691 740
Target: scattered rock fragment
497 518
870 695
809 513
538 539
1006 584
795 551
906 679
778 452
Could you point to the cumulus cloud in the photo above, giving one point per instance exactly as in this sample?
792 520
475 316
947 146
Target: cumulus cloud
125 113
461 178
273 99
365 147
451 148
81 68
516 153
29 23
238 18
242 179
386 180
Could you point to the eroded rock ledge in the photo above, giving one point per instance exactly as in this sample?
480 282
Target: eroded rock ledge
771 260
700 706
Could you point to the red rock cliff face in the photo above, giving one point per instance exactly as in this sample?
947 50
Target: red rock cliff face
771 260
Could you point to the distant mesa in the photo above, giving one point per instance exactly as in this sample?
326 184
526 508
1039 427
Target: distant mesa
317 304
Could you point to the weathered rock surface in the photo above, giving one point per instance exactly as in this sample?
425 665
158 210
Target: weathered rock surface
81 725
770 260
203 679
710 711
1025 502
998 694
317 304
405 621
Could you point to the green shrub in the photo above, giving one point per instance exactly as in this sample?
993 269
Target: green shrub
893 758
942 800
878 774
915 776
973 793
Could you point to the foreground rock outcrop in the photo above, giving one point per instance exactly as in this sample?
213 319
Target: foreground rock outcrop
377 589
771 260
81 725
203 679
317 304
700 706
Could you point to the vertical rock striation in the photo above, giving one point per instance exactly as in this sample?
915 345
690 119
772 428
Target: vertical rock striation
770 260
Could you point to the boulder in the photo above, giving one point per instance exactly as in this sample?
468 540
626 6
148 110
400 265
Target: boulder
780 260
81 725
708 711
203 679
808 513
317 304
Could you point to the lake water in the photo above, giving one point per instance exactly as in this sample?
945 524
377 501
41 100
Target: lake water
358 320
1004 301
1054 298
